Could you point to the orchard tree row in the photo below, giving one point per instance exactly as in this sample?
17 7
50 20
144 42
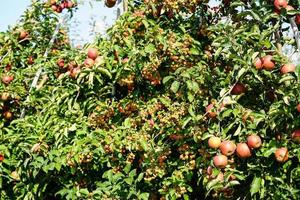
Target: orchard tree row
181 100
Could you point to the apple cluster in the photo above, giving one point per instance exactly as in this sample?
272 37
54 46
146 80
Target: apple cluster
283 4
59 6
268 63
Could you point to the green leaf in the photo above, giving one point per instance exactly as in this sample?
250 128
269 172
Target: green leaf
150 48
255 185
175 86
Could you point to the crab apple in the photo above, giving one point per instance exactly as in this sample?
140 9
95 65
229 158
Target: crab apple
61 63
296 136
210 113
110 3
227 148
70 4
89 62
282 154
268 64
214 142
242 150
23 35
287 68
8 115
7 79
254 141
280 4
238 89
1 157
54 8
92 53
258 63
298 107
297 19
220 161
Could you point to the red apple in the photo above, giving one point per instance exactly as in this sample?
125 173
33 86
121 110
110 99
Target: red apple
89 62
30 60
296 136
242 150
214 142
297 19
254 141
110 3
280 4
74 72
210 113
61 63
220 161
282 154
298 107
7 115
23 35
7 79
238 89
287 68
268 64
209 170
258 63
52 2
1 157
92 53
227 148
54 7
69 4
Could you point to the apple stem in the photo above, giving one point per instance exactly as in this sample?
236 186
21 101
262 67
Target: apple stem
296 31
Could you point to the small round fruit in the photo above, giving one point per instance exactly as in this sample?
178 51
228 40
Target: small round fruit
30 60
280 4
1 157
209 170
54 8
258 63
210 113
297 19
61 63
89 62
254 141
242 150
7 115
214 142
287 68
220 161
296 136
92 53
7 79
298 107
238 89
268 64
282 154
23 35
227 148
110 3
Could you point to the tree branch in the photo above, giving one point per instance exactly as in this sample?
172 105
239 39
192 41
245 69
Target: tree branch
296 31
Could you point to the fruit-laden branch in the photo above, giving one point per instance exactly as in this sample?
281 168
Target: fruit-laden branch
40 70
296 31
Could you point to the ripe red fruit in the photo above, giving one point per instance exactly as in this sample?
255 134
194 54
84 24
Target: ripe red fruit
254 141
61 63
287 68
214 142
268 64
210 113
23 35
110 3
282 154
258 63
280 4
238 89
7 115
69 4
209 170
298 107
74 72
30 60
7 79
227 148
1 157
89 62
62 6
54 7
92 53
242 150
52 2
296 136
297 19
220 161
